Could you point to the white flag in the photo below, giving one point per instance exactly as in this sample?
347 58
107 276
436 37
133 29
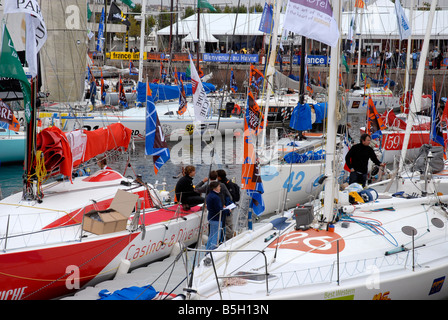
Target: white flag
36 31
200 100
312 19
403 22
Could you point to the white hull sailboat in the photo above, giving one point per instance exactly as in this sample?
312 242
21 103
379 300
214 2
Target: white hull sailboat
385 246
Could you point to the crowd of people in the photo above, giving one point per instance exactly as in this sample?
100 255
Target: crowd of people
219 195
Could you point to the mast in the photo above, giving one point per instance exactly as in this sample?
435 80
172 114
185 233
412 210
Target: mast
330 148
302 71
416 102
408 55
271 65
142 42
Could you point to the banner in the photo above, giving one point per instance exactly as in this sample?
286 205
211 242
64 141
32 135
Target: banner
10 67
36 31
267 19
312 19
155 143
234 58
402 21
200 100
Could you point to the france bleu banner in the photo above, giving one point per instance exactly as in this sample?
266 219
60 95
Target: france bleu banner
266 22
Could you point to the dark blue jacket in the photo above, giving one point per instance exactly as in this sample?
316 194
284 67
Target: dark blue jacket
214 206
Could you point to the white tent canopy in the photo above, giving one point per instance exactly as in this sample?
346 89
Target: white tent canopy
379 22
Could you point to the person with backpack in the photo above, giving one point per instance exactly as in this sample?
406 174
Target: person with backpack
234 191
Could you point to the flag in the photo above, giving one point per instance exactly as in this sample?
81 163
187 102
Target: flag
374 122
254 117
359 4
250 175
233 85
436 136
345 149
386 83
103 89
7 118
318 79
100 40
344 62
10 67
182 99
36 31
313 20
121 95
155 143
115 14
129 3
266 21
255 80
206 5
133 71
200 100
402 21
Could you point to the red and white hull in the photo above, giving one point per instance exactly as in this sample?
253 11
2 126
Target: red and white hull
45 253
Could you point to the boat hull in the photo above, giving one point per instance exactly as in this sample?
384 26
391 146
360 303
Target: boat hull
12 149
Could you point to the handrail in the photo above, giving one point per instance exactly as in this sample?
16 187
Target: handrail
266 274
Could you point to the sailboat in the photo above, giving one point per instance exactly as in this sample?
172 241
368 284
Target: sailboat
386 247
79 229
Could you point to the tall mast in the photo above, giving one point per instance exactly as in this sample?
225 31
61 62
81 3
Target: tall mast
142 42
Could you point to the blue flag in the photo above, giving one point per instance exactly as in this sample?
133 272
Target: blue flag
155 143
267 19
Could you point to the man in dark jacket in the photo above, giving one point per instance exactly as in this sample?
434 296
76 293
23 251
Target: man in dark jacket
357 160
185 192
215 216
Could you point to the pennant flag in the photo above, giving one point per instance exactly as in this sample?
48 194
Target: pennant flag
200 100
36 31
436 136
103 89
100 40
254 117
133 71
182 99
129 3
162 73
313 20
7 118
10 67
266 22
206 5
307 80
155 143
402 21
374 122
121 95
233 85
115 14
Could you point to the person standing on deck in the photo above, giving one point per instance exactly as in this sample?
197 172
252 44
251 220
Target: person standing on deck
357 160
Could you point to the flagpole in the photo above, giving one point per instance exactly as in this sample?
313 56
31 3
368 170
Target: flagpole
142 42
